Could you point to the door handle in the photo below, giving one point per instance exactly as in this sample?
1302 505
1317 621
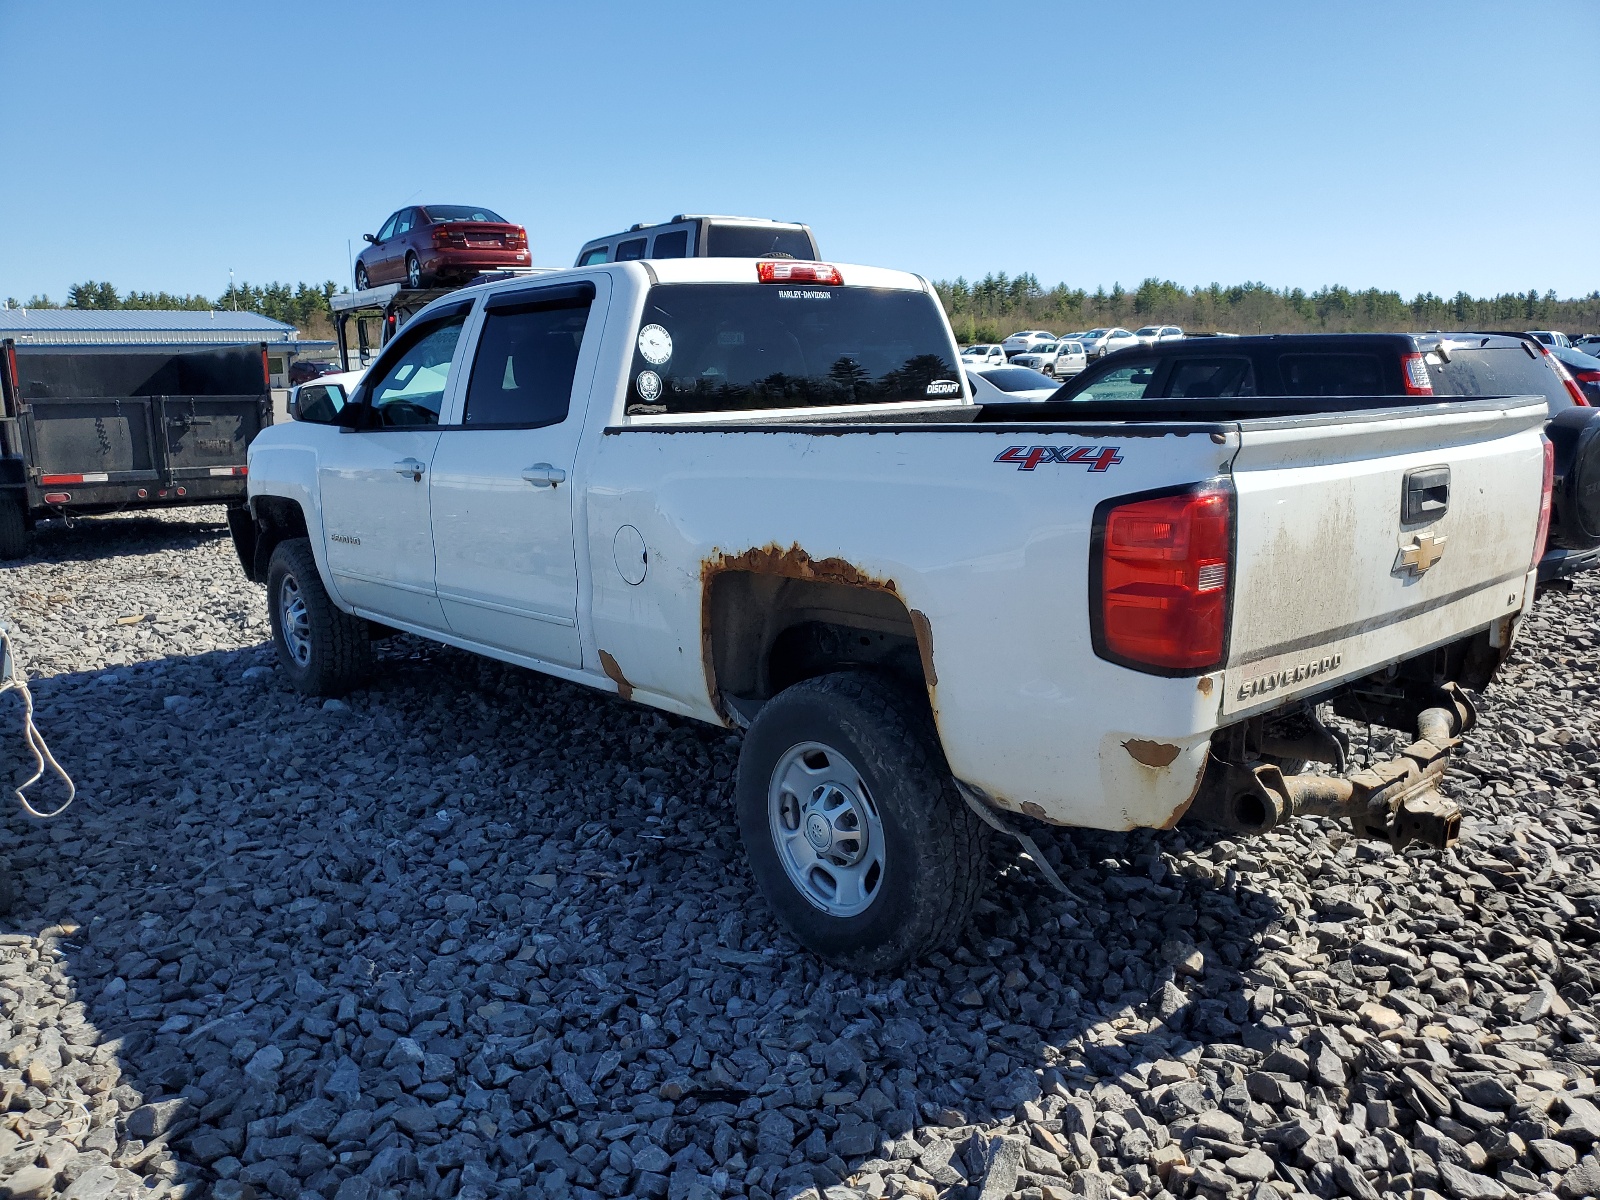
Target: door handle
411 466
544 475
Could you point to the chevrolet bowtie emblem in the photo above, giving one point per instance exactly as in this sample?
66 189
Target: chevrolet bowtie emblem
1425 550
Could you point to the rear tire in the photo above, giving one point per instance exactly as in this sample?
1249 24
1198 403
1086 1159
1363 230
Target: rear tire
323 650
13 528
853 826
414 276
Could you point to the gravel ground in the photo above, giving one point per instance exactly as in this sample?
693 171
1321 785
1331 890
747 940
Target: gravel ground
478 933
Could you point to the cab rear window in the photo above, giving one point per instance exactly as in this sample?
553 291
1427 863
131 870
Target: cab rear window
740 347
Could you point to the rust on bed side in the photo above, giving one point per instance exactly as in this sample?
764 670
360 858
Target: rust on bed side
613 672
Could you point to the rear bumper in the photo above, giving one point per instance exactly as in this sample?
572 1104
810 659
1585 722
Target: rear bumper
117 494
451 260
1563 564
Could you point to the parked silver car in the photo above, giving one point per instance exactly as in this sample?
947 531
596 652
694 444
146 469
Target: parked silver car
1097 343
1151 334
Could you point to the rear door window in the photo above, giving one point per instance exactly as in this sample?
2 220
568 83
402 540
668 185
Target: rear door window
739 347
1496 371
591 257
527 354
1206 378
1130 381
671 245
631 249
1332 375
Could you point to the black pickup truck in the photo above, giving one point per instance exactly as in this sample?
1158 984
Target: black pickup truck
91 429
1389 365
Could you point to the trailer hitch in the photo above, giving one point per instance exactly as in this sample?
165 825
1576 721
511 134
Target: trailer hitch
1396 801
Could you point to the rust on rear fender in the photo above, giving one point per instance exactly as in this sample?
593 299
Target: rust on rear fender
793 563
796 563
1151 754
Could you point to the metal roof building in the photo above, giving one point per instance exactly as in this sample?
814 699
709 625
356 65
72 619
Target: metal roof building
135 326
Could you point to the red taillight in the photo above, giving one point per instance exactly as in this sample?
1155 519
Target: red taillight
1414 373
1548 490
266 370
443 235
57 497
1569 382
517 239
1584 376
1164 570
788 271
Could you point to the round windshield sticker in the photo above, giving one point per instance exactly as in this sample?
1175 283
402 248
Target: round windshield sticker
649 385
655 344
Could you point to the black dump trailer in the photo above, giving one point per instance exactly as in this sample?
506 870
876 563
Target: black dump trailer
94 429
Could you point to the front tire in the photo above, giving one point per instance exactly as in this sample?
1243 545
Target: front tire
362 282
323 650
13 527
854 828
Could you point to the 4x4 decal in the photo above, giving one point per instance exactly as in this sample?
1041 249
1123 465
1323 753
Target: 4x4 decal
1096 458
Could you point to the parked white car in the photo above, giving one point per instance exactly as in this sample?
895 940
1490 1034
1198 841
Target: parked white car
1151 334
1097 343
1550 337
1012 385
1026 340
1058 359
654 479
990 355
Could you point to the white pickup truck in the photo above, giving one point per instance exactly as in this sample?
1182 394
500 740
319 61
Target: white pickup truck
758 493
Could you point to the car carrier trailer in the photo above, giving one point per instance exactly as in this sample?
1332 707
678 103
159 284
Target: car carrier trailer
94 429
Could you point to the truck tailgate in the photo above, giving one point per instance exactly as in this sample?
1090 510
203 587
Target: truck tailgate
1332 581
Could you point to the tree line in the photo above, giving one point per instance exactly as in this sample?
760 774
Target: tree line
303 306
998 304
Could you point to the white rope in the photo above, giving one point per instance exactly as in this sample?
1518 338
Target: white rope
16 681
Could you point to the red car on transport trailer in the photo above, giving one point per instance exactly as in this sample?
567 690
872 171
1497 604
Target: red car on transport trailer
426 244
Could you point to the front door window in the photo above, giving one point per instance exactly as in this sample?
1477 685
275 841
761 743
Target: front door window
411 389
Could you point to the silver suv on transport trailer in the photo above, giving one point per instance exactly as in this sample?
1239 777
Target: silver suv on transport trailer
690 236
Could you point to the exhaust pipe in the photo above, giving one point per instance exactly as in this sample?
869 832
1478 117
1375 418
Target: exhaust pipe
1395 801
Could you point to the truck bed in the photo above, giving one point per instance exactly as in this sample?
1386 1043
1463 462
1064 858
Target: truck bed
989 549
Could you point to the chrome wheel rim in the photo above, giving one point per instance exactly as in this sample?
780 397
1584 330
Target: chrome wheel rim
826 829
414 273
294 620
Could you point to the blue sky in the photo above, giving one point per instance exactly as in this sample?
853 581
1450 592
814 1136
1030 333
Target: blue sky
1406 145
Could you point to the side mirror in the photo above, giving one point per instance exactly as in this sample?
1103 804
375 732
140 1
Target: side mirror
318 404
367 237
